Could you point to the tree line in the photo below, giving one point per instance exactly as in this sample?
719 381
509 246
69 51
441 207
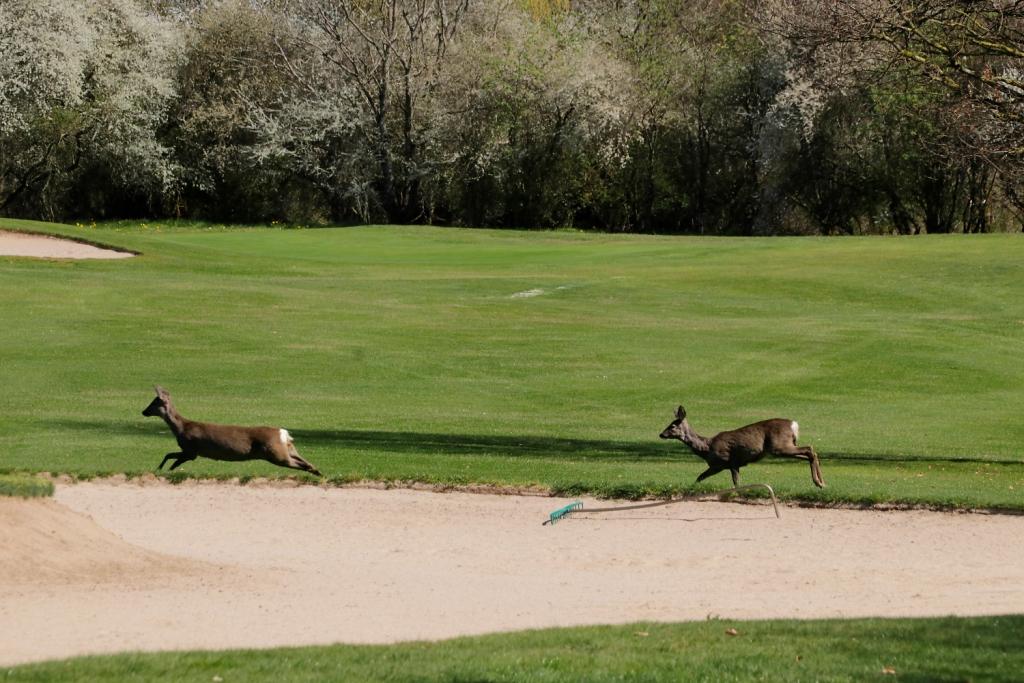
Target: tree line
711 117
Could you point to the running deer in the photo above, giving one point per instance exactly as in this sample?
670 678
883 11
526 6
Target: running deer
732 450
224 442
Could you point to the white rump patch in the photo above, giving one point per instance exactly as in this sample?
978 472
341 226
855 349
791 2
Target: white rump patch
796 429
286 437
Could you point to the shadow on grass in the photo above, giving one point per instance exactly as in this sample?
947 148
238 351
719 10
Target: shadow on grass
914 458
973 648
126 426
423 443
507 446
489 445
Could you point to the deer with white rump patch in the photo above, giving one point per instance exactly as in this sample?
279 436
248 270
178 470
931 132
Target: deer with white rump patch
224 442
734 449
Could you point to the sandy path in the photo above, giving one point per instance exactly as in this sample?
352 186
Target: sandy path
42 246
263 566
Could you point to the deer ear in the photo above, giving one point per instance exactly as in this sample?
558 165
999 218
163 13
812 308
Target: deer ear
680 413
160 391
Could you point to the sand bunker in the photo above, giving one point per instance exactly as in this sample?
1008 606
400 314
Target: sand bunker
44 542
272 566
43 246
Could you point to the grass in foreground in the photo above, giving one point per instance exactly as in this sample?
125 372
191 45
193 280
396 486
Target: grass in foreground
974 649
25 486
512 358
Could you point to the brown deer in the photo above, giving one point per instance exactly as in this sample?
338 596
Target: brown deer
734 449
224 442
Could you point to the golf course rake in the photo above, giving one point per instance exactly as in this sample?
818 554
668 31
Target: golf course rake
563 512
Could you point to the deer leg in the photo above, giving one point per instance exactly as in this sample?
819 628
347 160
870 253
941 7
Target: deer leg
182 460
299 463
816 470
291 458
806 453
735 476
168 457
707 473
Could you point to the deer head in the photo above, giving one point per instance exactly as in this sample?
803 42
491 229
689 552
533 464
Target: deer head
160 405
678 428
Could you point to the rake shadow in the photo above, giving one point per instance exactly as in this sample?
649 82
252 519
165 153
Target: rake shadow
652 518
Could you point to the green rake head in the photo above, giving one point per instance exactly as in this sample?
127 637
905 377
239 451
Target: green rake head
563 511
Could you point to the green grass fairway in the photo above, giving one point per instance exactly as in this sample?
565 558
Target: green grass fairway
527 358
977 650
